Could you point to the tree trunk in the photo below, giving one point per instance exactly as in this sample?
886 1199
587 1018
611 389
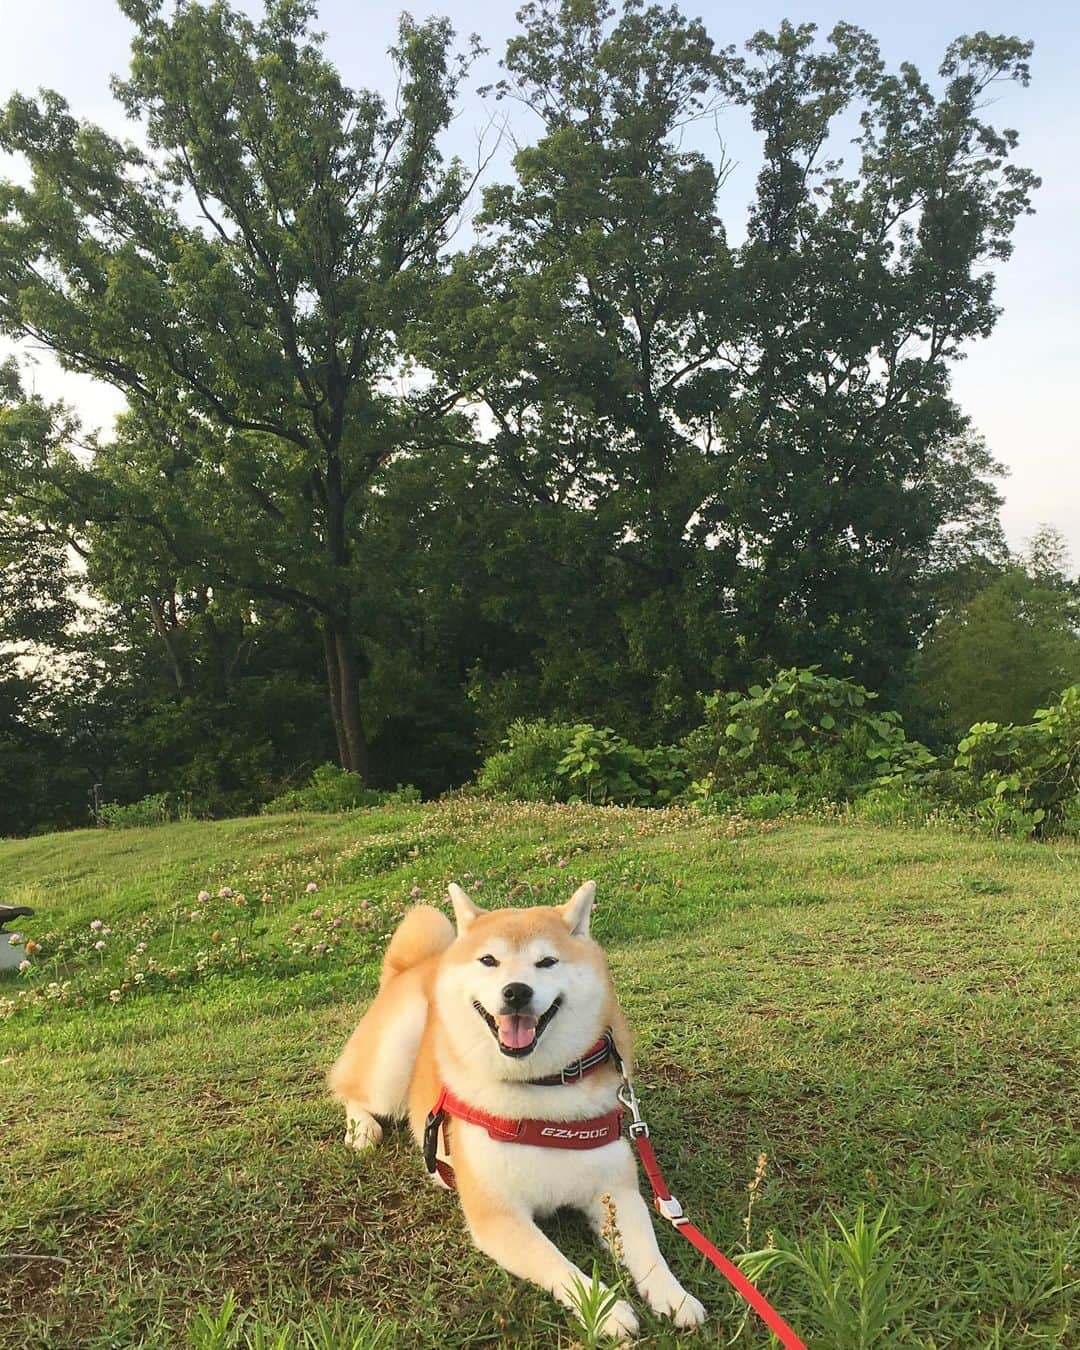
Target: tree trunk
343 682
216 643
352 726
173 642
333 683
343 672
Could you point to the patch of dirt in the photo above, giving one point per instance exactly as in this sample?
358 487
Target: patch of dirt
1069 1182
673 1075
29 1279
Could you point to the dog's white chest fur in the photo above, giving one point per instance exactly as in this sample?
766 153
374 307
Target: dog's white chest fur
542 1180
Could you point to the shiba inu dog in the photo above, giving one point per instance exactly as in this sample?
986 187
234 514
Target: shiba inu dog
501 1044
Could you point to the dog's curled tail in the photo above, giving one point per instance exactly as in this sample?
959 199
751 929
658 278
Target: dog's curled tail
423 932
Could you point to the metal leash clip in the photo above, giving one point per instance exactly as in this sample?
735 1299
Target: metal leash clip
628 1097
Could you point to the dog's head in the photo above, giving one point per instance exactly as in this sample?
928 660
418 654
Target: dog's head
523 992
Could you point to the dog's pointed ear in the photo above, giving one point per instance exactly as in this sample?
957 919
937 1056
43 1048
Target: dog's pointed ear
578 909
464 909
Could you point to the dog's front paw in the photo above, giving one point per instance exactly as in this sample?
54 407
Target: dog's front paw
620 1323
668 1298
362 1130
689 1312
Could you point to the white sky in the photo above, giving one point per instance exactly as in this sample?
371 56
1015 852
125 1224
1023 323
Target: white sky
1019 386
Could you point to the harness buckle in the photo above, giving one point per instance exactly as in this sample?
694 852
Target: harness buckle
431 1140
573 1073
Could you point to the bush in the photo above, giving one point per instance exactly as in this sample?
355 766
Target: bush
601 767
767 805
526 769
753 805
1024 780
152 810
668 774
897 804
555 762
331 788
806 734
802 739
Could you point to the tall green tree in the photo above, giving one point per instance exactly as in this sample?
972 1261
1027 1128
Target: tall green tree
36 612
36 583
730 454
245 281
1011 647
118 669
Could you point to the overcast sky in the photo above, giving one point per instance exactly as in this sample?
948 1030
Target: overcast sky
1019 386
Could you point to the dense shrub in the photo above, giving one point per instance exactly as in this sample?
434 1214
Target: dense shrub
802 739
1024 779
896 803
752 806
331 788
151 810
558 762
601 767
806 734
667 774
526 768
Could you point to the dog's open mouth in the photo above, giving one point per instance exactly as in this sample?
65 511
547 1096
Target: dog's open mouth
517 1033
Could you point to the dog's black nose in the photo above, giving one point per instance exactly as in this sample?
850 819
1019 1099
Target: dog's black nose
516 996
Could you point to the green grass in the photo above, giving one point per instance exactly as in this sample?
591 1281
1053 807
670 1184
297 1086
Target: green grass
888 1014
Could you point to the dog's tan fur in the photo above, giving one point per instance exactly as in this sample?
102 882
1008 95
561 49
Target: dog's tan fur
422 1032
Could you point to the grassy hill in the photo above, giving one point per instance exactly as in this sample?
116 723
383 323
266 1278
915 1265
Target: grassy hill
888 1015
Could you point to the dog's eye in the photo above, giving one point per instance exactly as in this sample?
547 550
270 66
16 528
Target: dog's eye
488 960
546 961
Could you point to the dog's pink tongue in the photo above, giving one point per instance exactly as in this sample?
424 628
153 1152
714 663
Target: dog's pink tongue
516 1030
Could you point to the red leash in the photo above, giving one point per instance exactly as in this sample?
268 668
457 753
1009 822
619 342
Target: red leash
669 1208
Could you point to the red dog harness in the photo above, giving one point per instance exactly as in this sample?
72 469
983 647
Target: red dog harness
577 1134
